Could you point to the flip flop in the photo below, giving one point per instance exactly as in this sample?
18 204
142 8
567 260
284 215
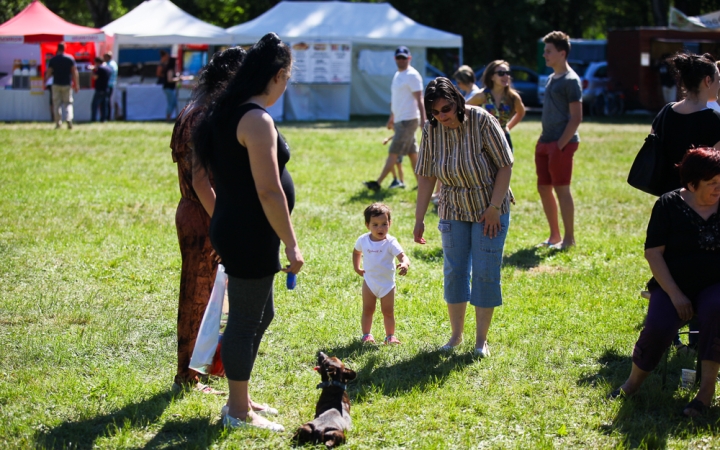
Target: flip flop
548 244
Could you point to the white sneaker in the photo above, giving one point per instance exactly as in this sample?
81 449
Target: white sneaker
231 422
265 412
483 352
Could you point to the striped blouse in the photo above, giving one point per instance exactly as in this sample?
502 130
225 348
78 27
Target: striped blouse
465 160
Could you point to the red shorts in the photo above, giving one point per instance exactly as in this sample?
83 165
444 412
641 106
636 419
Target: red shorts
552 165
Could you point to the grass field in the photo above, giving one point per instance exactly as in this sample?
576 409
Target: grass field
89 273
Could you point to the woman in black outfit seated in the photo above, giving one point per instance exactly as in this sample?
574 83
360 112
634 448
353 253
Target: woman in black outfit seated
683 250
240 145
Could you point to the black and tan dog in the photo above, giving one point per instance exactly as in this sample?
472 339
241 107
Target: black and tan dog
332 412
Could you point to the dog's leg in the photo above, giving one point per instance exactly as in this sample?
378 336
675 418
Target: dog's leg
333 437
304 434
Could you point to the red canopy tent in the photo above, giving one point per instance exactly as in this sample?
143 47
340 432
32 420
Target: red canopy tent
37 24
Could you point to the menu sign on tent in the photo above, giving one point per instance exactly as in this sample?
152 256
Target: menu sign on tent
321 62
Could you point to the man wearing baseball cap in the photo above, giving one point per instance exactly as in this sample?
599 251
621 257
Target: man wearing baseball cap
406 114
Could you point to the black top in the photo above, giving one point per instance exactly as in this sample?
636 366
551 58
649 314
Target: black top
682 132
164 78
103 78
692 244
62 66
239 230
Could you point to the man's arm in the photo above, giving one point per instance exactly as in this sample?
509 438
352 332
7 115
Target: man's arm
572 125
48 74
76 78
421 106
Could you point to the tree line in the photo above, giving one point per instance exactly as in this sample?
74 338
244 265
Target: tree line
491 29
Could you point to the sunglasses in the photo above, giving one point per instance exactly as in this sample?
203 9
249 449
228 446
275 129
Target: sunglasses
444 110
502 73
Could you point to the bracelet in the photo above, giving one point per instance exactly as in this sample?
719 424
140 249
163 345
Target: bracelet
494 206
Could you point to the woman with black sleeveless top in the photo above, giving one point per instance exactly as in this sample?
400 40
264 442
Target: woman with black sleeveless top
239 143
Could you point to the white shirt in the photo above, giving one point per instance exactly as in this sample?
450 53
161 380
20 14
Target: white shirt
475 90
402 102
378 257
714 105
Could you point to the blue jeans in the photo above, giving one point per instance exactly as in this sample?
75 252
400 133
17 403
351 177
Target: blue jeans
466 251
171 101
99 101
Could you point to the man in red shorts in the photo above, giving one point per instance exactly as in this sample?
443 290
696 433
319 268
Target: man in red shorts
561 117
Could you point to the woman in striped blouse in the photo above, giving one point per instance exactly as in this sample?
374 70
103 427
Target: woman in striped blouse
464 147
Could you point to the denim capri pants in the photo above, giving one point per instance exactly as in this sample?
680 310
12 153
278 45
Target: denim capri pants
467 252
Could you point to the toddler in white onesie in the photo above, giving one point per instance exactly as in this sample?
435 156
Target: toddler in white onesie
376 250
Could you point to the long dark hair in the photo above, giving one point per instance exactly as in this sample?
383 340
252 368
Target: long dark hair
692 69
213 78
441 87
262 62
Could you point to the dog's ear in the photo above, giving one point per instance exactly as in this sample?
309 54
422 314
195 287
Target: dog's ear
349 374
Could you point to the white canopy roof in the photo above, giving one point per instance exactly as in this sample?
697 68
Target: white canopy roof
360 23
160 22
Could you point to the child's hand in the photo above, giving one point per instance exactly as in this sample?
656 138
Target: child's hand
402 268
360 272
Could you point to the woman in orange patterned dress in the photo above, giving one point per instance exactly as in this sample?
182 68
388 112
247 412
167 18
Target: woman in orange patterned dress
192 218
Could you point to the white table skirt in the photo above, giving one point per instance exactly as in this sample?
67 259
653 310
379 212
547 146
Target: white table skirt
145 102
21 105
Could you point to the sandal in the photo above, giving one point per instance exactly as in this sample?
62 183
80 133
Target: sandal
367 339
615 394
695 408
391 340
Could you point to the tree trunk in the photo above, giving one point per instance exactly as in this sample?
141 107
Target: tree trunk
660 12
100 12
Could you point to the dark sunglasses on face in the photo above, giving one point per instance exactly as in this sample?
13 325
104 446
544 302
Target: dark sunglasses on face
502 73
444 110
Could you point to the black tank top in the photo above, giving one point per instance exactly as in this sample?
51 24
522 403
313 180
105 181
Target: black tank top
239 230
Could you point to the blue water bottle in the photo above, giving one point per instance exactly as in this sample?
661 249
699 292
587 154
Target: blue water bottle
291 280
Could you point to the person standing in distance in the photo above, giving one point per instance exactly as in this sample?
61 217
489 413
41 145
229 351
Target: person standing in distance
407 112
107 57
559 139
64 72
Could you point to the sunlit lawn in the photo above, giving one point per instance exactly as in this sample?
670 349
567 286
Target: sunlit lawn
89 273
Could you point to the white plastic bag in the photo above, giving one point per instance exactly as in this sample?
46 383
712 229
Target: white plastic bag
206 343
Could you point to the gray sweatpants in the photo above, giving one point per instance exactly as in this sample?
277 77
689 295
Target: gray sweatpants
251 311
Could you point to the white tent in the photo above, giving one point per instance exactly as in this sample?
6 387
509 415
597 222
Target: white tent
160 22
373 29
157 23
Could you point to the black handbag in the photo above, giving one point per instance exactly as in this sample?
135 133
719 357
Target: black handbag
646 173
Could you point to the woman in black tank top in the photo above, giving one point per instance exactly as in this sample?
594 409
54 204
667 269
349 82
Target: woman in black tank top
238 142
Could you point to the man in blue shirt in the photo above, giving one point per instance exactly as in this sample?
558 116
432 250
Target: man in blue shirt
112 65
64 72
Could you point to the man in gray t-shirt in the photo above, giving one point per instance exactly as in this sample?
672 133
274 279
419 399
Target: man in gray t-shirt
559 140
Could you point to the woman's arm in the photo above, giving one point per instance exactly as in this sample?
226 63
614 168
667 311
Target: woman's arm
519 113
660 271
425 190
203 188
491 215
256 132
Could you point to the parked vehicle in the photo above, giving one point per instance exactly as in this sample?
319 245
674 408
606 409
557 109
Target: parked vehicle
594 79
524 80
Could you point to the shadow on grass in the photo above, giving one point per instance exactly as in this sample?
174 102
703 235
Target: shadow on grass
653 415
418 372
523 259
366 196
193 433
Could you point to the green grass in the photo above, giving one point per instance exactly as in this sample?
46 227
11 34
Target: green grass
89 273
